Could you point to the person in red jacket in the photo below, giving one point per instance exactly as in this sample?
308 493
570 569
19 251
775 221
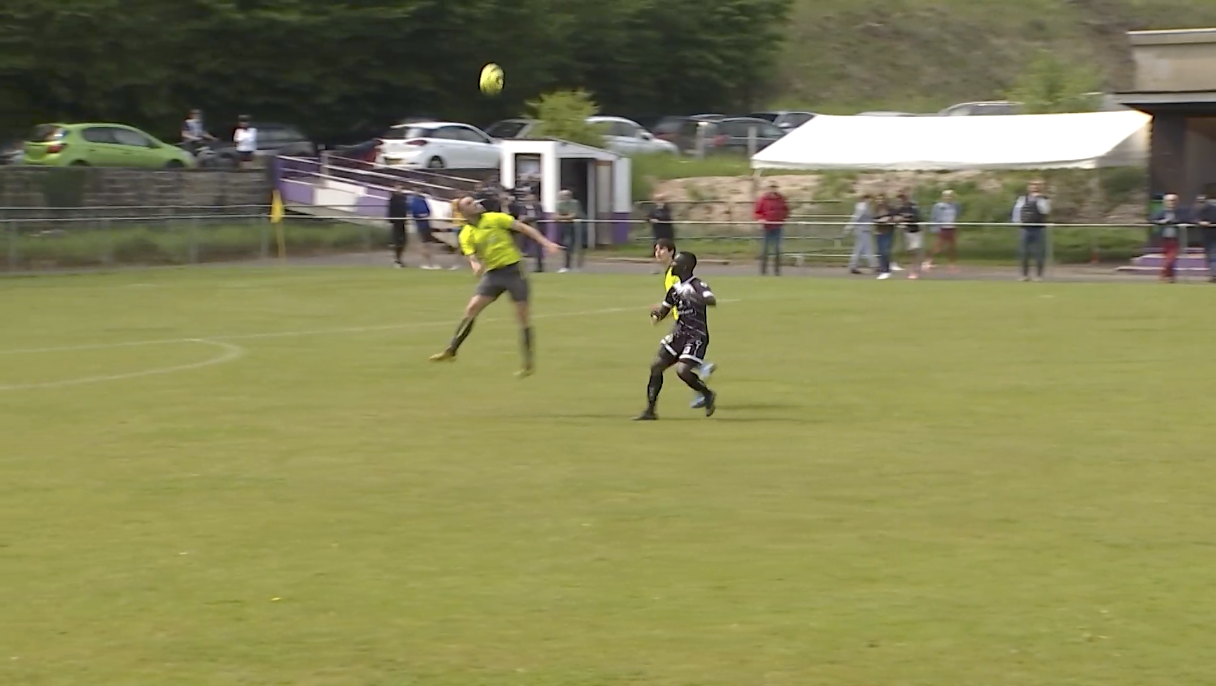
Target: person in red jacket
771 211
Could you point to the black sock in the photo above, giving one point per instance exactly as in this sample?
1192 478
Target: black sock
689 376
526 342
462 332
653 387
398 251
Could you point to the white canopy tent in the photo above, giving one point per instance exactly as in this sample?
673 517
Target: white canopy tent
1031 141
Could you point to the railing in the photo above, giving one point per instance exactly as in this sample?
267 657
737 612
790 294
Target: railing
378 177
105 237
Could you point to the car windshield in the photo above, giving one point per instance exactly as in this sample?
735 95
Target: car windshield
46 133
766 116
405 133
506 129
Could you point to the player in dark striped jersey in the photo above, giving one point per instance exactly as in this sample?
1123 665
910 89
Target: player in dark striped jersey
685 346
665 254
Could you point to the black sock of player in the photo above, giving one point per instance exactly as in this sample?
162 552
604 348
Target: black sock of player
689 376
397 251
526 341
653 387
462 332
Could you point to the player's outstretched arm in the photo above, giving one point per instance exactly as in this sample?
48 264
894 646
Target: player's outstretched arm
659 312
707 296
550 246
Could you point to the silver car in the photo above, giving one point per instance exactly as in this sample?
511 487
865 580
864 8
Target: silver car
627 137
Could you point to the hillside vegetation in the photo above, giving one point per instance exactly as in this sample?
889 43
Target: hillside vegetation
842 56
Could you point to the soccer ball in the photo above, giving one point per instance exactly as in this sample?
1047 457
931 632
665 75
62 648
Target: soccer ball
491 79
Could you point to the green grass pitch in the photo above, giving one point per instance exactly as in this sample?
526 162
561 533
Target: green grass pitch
254 477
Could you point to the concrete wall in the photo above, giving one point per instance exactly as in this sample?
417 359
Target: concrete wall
159 191
1174 60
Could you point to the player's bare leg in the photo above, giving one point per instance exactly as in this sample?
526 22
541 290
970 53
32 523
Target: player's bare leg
688 374
476 304
654 386
525 338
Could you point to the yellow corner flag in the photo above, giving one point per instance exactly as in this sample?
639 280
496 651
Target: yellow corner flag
276 218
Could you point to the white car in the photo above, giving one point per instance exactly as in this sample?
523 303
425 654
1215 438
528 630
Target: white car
438 145
627 137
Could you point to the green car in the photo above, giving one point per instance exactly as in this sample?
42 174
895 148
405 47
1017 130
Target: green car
101 145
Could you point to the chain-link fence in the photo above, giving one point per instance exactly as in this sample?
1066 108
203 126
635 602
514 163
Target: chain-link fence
91 238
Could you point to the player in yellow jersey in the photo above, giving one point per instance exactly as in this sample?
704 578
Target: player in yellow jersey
488 240
665 254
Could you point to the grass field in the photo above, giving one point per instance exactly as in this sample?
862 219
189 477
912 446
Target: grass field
240 477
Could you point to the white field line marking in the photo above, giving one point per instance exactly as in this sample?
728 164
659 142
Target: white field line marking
309 332
229 352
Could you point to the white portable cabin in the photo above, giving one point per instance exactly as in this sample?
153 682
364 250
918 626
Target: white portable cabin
599 179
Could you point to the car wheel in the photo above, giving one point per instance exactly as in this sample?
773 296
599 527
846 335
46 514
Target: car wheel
434 163
79 163
174 164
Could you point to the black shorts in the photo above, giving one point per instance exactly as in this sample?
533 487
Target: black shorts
685 346
246 156
508 279
399 234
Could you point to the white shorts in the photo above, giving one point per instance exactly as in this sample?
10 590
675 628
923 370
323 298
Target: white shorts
914 241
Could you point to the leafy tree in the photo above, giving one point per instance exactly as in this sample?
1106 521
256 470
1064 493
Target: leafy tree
1050 85
563 114
349 68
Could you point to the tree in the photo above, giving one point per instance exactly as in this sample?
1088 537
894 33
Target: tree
563 114
1050 85
341 69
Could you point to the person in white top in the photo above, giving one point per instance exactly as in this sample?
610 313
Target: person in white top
246 139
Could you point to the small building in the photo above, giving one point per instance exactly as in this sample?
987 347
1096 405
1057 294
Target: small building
599 179
1175 83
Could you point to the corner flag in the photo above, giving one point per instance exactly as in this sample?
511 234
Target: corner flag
276 218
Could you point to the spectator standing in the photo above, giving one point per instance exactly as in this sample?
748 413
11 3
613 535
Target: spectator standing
914 239
531 214
943 223
1031 212
661 223
398 215
1203 215
569 221
1166 223
194 133
771 211
885 220
420 210
246 138
861 224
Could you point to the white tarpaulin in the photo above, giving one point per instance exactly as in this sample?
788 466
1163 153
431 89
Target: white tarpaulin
1028 141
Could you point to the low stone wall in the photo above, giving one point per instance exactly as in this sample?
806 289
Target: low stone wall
28 191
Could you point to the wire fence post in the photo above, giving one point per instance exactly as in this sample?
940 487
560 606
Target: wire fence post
193 240
264 251
107 242
10 231
1050 262
1184 250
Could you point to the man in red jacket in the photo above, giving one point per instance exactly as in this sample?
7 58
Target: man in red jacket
771 211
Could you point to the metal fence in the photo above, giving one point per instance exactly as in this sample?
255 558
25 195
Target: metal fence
104 237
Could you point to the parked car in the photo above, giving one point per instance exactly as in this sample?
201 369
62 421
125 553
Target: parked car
627 137
100 145
438 145
682 131
885 113
786 119
511 128
733 135
974 109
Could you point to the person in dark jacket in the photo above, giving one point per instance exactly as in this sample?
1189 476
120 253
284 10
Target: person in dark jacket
1031 212
1203 216
1166 222
908 213
885 220
661 226
531 214
398 215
